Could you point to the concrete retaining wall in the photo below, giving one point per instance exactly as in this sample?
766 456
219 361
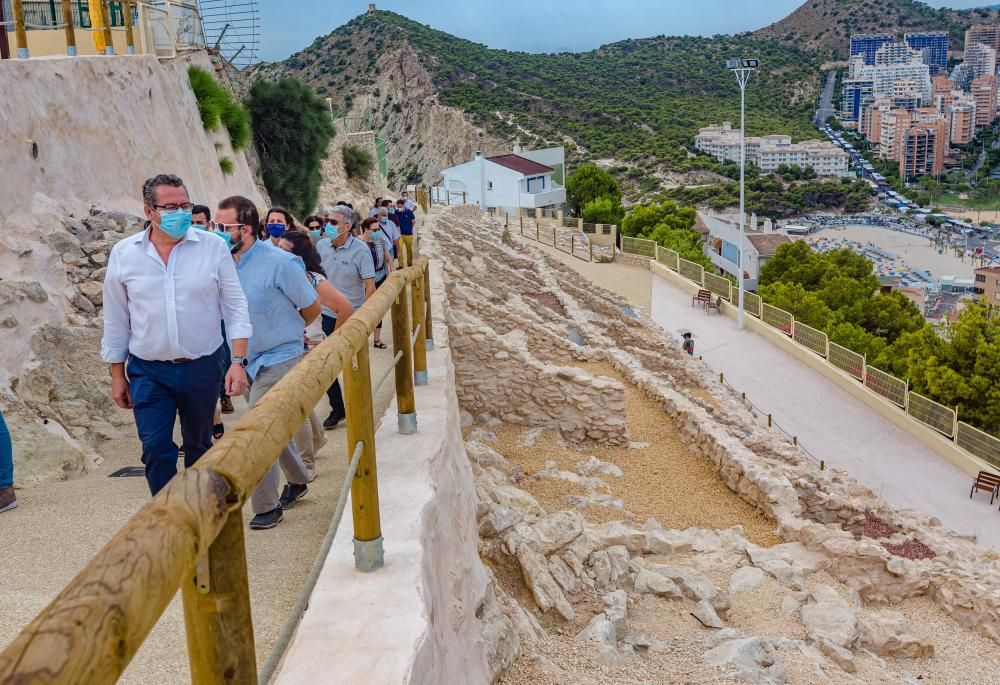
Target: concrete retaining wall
421 618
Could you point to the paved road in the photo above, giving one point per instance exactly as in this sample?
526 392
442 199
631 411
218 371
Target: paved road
830 423
825 110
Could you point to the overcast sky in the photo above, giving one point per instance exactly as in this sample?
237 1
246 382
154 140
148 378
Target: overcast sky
532 25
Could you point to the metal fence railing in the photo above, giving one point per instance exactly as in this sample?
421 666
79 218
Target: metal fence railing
190 535
752 303
778 318
718 285
931 413
886 385
921 409
979 443
638 246
847 360
691 271
668 258
811 338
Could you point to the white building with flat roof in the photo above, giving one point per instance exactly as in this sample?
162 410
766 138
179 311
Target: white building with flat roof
770 152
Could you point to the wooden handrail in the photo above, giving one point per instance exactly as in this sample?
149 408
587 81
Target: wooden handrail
94 626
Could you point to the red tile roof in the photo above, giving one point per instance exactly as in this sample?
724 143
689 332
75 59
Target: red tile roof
520 164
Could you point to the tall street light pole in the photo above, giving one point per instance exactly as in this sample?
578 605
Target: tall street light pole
742 68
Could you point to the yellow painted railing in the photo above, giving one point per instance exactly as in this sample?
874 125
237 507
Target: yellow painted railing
190 535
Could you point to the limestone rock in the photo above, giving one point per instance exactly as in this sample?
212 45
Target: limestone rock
745 579
704 612
481 435
600 569
621 533
599 630
498 519
828 617
517 499
562 573
555 530
753 659
595 466
649 582
617 606
543 587
667 542
503 645
887 633
694 585
93 291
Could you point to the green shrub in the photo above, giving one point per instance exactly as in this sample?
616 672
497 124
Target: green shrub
226 165
216 105
357 162
588 183
603 210
292 129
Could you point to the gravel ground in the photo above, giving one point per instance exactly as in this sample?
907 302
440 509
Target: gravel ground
664 480
60 525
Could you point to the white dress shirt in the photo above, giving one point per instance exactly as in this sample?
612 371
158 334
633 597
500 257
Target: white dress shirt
161 312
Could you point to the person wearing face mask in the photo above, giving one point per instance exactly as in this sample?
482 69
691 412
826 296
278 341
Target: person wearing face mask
281 302
314 227
406 219
349 268
165 291
279 221
390 228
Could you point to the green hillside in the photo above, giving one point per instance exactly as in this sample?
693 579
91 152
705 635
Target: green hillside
639 101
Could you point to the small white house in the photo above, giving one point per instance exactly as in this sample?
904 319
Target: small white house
518 179
722 245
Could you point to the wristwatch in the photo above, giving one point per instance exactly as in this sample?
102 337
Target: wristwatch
242 361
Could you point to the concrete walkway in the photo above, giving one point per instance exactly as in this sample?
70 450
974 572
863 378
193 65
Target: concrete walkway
830 423
60 525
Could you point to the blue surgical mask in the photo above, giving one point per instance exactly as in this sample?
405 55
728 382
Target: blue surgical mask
176 224
315 233
276 230
391 210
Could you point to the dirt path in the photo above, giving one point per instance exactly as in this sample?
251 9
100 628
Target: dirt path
60 525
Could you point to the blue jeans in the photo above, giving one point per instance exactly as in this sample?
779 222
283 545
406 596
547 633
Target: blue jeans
6 456
227 361
160 392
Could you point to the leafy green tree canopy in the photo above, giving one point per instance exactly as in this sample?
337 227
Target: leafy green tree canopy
588 183
292 129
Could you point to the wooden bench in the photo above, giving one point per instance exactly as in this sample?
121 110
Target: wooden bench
715 304
703 298
986 481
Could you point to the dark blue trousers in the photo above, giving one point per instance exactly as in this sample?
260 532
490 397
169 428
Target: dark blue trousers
162 391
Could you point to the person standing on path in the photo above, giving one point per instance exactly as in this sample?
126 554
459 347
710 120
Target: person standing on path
350 269
165 292
381 251
8 500
281 302
688 344
406 219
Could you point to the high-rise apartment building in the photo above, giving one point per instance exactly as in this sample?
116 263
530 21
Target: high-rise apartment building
961 113
985 34
984 92
922 149
934 47
892 128
981 60
866 45
857 92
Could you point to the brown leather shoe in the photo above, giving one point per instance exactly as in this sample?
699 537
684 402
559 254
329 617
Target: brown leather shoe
7 499
227 405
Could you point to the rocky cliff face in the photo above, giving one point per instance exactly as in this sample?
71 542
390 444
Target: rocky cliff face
77 139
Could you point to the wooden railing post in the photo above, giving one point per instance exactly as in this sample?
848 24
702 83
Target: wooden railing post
67 17
20 31
368 554
129 36
420 342
401 327
590 246
428 318
216 597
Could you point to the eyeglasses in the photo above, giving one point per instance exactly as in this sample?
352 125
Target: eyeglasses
227 227
173 209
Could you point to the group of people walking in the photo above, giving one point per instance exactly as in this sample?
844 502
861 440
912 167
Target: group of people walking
201 308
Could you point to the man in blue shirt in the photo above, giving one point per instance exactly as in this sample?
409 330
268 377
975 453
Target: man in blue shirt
406 218
281 302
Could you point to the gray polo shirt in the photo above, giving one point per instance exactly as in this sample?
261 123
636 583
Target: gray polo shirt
346 268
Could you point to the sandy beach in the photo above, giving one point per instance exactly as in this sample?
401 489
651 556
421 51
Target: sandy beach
902 253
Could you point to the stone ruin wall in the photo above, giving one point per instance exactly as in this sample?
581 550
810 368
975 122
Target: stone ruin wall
823 510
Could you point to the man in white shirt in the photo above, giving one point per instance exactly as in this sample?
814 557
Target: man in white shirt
165 291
